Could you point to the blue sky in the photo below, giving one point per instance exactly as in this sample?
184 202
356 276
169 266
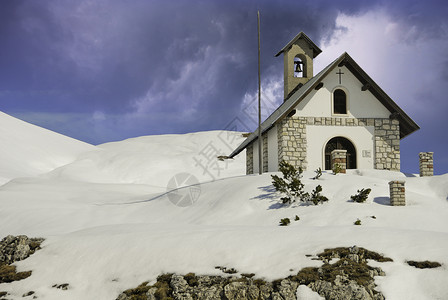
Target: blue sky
103 71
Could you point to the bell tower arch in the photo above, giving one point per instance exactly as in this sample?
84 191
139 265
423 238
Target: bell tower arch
298 57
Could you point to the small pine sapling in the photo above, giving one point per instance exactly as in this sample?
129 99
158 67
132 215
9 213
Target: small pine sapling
290 184
357 222
297 218
316 197
285 222
361 195
337 169
318 173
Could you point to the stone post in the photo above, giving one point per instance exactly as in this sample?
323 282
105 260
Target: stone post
397 193
426 163
339 157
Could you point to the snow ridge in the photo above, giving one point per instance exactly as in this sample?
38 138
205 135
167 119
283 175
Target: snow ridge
29 150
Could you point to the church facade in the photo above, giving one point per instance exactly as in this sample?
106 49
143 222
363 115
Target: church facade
341 110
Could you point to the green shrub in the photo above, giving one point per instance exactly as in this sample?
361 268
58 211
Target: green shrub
361 195
290 184
316 197
357 222
337 169
293 188
318 173
296 218
285 222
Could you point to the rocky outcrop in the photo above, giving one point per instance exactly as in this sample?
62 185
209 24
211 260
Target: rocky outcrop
348 278
342 289
12 249
15 248
424 264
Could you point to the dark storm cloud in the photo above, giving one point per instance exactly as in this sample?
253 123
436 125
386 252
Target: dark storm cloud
106 54
125 68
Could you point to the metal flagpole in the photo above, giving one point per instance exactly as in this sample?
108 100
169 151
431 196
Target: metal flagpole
260 142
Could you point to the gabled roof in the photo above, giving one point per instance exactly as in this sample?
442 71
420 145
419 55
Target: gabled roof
407 125
301 35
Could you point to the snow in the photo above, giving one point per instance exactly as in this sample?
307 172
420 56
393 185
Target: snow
305 293
29 150
110 223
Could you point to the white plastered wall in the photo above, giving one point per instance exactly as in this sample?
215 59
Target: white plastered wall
361 137
360 104
272 150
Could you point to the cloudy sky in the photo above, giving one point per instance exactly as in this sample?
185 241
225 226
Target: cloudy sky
102 71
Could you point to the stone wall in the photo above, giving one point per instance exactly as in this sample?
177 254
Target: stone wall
250 159
292 141
426 163
397 193
387 144
265 151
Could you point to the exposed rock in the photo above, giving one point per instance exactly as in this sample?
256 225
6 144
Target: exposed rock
241 291
63 286
423 264
16 248
286 289
341 289
348 278
266 291
12 249
209 287
28 294
181 289
226 270
151 294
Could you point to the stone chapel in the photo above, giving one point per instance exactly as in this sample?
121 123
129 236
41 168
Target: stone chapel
339 115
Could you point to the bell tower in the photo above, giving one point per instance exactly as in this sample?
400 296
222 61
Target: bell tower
298 57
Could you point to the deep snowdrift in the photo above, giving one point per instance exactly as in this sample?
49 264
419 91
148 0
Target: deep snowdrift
29 150
110 222
154 160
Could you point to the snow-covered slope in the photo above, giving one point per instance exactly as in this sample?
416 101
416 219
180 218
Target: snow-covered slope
110 221
29 150
154 160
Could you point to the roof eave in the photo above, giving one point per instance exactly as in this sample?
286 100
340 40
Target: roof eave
289 103
316 49
407 125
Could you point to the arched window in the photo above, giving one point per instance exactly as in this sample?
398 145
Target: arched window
298 67
340 143
339 102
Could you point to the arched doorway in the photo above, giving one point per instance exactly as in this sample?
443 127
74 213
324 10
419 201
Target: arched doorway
340 143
